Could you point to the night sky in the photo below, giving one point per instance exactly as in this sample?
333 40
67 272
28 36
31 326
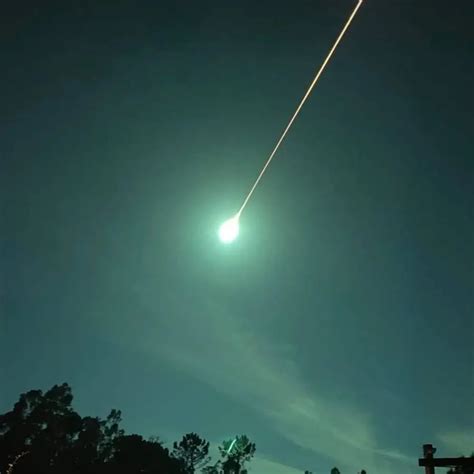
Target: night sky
338 328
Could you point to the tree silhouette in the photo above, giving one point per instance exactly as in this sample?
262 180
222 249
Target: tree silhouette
193 452
42 434
110 432
133 454
43 425
213 469
236 453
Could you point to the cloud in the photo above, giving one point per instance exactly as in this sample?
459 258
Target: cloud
233 356
458 443
262 465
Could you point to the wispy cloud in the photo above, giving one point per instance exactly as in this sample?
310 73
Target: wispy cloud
262 465
231 355
458 443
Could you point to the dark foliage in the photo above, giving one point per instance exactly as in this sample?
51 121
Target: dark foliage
235 453
43 434
193 451
54 439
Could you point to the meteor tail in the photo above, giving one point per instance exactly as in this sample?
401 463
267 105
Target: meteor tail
303 100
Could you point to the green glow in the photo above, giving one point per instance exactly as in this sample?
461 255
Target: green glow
229 230
231 445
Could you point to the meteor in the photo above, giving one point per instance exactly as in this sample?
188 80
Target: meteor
229 230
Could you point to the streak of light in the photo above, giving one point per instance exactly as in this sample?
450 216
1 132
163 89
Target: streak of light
303 100
231 445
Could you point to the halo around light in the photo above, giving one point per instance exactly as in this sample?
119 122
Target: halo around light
229 230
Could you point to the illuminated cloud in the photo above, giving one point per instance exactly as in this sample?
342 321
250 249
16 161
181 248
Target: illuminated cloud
458 443
216 346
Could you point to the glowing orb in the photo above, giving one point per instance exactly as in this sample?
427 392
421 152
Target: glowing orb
229 230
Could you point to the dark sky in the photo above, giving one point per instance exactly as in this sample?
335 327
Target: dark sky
338 328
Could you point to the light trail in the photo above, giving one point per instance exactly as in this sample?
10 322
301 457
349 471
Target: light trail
231 445
303 100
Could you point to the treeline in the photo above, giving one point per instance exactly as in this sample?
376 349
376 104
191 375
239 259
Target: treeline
43 434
